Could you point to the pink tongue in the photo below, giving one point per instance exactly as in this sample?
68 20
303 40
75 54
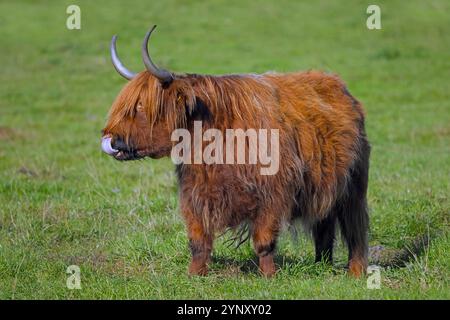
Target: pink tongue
106 146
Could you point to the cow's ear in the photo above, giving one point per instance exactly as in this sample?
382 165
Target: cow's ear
199 111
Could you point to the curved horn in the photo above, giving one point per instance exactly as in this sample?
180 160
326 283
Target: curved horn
124 72
163 75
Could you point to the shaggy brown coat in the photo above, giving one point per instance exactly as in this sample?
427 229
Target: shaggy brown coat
324 154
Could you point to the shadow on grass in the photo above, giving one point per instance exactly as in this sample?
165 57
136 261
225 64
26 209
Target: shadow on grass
378 255
288 265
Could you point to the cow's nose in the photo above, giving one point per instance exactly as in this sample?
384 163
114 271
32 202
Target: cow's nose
118 144
107 147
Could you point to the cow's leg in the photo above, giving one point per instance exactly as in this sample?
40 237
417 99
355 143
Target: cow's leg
353 214
265 233
354 220
323 233
200 243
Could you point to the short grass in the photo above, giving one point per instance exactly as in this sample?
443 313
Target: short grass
63 202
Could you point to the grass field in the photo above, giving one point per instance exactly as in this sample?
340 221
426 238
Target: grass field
63 202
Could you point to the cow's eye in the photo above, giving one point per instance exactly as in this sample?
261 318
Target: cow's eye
140 108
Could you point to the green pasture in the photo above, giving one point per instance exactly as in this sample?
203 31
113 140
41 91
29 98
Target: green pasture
63 202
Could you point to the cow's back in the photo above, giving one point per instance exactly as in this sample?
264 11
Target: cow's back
328 123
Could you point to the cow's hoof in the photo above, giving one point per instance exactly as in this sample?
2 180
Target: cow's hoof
267 266
356 268
198 269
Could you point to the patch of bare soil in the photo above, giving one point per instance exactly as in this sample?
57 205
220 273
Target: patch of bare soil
28 172
387 257
7 133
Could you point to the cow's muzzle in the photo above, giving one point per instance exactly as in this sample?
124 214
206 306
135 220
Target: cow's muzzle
116 147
